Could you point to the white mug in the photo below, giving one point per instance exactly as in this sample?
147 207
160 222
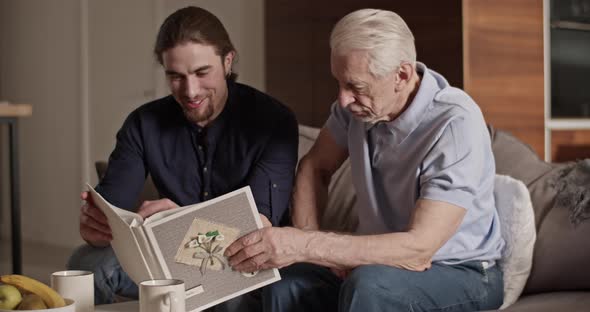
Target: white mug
76 285
165 295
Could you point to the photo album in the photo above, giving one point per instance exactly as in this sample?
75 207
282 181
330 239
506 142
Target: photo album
188 243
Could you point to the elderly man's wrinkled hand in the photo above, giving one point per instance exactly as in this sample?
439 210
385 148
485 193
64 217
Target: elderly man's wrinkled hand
270 247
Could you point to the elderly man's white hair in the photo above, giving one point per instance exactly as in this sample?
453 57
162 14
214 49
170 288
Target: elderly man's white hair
383 34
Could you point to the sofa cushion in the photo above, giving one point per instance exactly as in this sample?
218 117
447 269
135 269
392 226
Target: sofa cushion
339 214
517 222
518 160
307 136
562 249
562 254
575 301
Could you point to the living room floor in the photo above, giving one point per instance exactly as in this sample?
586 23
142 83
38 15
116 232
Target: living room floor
39 260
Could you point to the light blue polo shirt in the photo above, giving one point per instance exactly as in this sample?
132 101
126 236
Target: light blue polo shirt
438 149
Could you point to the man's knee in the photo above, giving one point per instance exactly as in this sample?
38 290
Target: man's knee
303 287
109 278
366 286
368 276
249 302
87 257
279 295
101 261
293 278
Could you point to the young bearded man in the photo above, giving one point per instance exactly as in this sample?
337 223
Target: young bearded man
211 136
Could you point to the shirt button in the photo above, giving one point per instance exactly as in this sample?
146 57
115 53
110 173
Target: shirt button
205 194
274 185
200 147
204 169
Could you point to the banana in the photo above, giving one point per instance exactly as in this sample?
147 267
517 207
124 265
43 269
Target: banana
51 298
32 302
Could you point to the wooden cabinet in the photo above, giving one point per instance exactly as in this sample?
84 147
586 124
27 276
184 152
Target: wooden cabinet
503 65
569 145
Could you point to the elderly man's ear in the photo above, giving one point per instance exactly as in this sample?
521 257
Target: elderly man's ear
404 75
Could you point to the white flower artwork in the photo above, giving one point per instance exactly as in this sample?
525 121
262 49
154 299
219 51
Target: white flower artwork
204 244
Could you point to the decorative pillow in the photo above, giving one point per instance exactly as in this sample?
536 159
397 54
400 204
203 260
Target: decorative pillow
339 214
517 221
561 248
307 136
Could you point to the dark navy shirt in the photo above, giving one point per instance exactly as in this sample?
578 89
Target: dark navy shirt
252 142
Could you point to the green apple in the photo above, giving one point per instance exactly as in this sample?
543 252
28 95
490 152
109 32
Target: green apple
10 297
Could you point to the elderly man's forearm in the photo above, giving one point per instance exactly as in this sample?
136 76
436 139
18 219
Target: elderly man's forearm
333 250
311 191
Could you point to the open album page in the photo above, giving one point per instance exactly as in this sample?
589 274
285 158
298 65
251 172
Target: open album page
124 243
191 243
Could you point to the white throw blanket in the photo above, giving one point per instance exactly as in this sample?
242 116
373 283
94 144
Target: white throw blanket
517 220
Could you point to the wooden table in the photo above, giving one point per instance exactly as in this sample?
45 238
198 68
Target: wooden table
9 114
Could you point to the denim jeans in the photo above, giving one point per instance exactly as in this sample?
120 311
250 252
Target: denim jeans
469 286
109 277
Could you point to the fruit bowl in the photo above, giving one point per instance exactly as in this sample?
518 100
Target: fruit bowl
19 292
69 307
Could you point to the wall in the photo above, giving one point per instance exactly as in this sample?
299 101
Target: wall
40 66
83 74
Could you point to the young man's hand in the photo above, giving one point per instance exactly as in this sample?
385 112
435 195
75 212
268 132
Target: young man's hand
94 228
149 207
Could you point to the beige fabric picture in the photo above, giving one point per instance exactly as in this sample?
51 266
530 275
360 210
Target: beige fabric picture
206 241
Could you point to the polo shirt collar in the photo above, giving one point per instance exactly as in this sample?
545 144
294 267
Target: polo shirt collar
409 120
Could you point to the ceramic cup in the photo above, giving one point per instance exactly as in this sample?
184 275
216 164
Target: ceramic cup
76 285
165 295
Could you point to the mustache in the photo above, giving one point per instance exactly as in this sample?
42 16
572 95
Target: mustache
196 99
357 108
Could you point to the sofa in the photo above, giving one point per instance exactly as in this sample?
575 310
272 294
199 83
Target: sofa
559 278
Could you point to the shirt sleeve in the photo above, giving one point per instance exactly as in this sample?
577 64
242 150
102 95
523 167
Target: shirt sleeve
454 168
126 173
338 123
271 179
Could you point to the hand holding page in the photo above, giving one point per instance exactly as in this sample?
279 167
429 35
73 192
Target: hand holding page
187 243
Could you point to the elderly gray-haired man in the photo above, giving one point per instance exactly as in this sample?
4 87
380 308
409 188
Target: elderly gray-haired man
423 171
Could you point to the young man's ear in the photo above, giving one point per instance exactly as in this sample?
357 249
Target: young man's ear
405 74
228 62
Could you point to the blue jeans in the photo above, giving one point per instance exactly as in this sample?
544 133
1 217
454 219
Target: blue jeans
465 287
109 277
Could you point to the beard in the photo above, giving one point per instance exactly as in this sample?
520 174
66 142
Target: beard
198 115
